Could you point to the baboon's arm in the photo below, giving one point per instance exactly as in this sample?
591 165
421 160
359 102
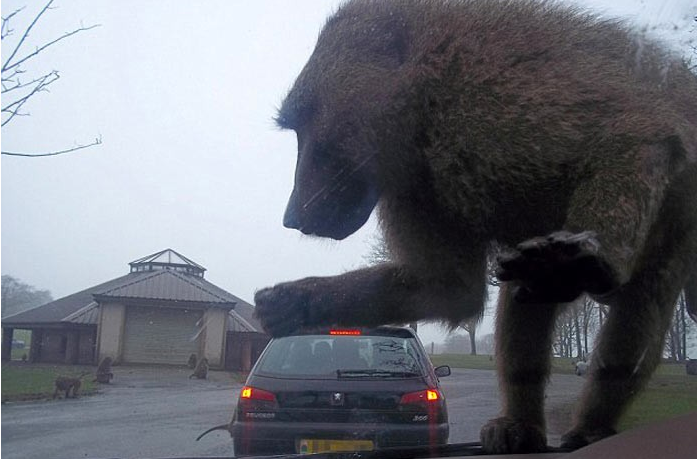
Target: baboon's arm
378 295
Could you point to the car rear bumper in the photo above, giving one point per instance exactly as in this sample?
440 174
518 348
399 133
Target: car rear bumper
282 437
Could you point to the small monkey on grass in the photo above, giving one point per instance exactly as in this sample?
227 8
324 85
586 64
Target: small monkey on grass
568 139
68 384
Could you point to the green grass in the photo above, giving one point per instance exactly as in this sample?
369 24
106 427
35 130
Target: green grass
671 392
474 362
667 395
23 335
34 382
487 362
18 353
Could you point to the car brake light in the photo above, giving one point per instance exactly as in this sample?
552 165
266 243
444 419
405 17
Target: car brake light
345 332
252 393
428 395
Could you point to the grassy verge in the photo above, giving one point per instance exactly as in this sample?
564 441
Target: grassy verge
671 392
666 396
474 362
35 382
487 362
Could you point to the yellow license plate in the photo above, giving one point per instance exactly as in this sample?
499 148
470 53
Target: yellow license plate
328 446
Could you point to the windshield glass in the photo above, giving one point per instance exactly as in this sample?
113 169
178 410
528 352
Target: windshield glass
319 355
501 195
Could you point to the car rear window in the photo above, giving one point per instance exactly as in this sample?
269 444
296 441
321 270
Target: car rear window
330 356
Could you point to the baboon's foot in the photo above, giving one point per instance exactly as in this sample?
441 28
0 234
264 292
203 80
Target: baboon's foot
578 438
557 268
509 436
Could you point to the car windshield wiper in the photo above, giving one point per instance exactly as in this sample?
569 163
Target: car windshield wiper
373 373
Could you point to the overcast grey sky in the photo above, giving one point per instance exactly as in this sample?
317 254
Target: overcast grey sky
182 94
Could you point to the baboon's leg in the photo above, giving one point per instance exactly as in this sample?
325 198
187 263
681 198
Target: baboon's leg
631 341
55 392
627 353
523 346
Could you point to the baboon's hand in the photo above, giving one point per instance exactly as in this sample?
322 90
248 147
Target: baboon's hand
578 438
283 308
557 268
506 435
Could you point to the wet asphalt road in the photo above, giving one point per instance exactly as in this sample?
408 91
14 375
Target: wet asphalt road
473 399
143 414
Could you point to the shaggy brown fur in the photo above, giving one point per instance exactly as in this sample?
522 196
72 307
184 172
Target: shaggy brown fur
568 139
68 384
201 370
104 374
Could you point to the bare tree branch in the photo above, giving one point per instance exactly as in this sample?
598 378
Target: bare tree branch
41 83
6 31
23 91
97 141
7 66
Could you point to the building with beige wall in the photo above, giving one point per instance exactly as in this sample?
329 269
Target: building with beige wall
161 312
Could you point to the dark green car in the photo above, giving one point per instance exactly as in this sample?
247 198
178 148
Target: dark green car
341 390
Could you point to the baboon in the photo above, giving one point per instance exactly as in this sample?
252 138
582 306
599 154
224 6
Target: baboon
104 374
192 361
201 370
568 139
68 384
691 367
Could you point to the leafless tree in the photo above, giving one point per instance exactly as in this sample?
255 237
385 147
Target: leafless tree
456 343
680 329
470 326
19 86
18 296
576 329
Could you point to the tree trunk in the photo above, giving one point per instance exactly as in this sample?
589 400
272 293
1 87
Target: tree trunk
473 341
577 327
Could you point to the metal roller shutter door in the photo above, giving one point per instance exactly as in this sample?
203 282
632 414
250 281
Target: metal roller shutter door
160 335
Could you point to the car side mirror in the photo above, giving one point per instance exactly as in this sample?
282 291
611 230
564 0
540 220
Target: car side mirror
443 370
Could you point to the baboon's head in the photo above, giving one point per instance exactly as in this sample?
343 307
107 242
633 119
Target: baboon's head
336 107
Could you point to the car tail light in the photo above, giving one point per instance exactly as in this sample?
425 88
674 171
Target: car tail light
422 396
345 332
252 393
254 400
